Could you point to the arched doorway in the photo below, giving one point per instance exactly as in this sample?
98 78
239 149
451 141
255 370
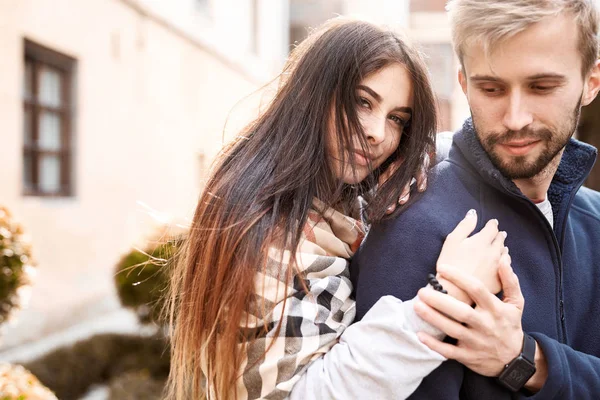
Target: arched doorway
589 132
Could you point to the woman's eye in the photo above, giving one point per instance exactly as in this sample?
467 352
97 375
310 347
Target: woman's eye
364 102
400 121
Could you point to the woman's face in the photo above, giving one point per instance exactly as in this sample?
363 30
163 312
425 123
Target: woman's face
385 101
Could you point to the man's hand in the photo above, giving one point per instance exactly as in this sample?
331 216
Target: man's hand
489 335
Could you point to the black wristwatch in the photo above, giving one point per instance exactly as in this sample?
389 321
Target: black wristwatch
518 371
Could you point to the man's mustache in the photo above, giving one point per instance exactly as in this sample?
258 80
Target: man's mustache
522 134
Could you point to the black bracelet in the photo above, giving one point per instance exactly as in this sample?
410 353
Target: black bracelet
436 285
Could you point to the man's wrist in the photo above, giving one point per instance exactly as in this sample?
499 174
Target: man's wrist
519 365
537 381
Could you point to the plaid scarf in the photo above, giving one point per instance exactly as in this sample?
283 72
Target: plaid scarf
311 322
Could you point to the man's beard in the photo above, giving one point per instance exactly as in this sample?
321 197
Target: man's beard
518 167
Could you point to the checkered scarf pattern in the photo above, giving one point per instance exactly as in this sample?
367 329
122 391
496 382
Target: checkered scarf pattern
311 322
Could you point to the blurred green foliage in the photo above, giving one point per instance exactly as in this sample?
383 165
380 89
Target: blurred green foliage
141 278
136 385
70 371
15 264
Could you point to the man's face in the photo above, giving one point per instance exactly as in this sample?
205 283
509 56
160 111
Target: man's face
525 98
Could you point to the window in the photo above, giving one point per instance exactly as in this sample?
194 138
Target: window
47 113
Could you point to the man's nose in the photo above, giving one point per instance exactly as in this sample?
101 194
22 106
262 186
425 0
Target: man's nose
517 114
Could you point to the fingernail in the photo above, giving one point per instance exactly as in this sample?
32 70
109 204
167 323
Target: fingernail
506 248
495 221
504 234
404 198
391 209
422 186
471 213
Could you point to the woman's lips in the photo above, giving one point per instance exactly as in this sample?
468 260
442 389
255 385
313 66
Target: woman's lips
361 158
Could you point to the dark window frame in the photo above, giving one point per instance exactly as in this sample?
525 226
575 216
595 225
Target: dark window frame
39 56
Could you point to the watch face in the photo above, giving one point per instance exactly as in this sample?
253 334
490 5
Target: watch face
517 374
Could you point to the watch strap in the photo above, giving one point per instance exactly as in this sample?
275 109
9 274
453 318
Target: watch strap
528 351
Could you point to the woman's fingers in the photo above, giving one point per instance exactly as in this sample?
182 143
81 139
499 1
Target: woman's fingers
401 200
488 233
472 286
505 258
422 174
498 243
464 227
405 195
420 180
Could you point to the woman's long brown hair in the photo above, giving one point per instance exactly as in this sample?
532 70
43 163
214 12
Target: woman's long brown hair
262 188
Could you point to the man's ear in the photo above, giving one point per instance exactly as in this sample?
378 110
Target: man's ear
592 85
462 79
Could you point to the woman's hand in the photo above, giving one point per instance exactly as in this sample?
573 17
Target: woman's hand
420 180
478 256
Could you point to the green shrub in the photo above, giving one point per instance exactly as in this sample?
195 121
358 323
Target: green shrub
16 264
141 278
70 371
136 385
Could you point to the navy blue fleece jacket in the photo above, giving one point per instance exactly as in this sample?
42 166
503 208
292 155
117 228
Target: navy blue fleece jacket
558 269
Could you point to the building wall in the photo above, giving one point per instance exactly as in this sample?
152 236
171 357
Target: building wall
427 5
431 30
150 105
250 32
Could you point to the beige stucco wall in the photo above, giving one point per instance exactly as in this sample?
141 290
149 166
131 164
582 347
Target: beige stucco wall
434 27
148 102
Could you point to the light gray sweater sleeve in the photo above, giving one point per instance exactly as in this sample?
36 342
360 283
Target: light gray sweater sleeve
378 357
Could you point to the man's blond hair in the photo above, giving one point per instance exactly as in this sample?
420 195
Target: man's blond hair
488 22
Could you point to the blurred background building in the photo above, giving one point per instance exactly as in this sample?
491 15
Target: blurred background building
112 111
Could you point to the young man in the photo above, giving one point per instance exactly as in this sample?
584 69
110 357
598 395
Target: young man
527 69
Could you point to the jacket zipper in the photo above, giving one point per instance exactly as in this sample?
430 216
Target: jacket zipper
559 248
561 304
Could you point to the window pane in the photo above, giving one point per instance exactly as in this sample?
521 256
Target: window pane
49 173
27 127
49 132
28 172
28 81
50 87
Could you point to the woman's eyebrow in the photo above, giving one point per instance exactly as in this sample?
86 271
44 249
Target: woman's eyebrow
378 98
373 93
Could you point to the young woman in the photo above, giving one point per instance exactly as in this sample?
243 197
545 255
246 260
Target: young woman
261 304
